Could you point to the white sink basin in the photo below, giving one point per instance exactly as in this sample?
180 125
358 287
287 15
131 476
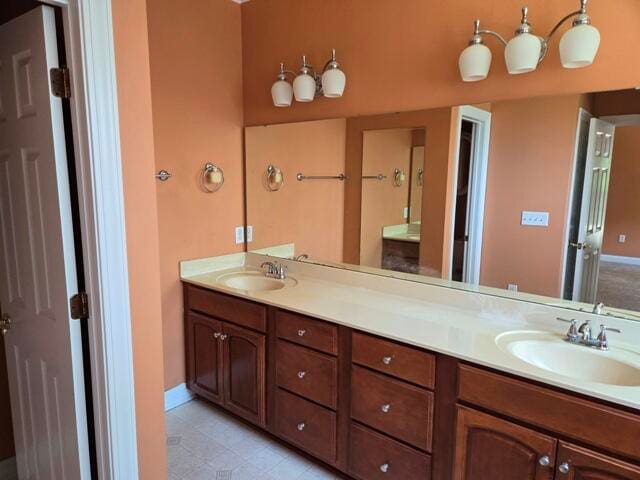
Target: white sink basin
254 282
550 352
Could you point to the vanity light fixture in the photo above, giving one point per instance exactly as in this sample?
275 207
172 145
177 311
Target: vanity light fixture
307 84
523 53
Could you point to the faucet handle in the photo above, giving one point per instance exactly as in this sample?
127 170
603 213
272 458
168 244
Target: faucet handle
572 333
603 342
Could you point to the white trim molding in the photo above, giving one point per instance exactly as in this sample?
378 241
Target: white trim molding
94 109
177 396
620 259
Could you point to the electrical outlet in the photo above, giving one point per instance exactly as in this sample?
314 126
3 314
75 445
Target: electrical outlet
405 212
512 287
249 233
622 238
239 235
536 219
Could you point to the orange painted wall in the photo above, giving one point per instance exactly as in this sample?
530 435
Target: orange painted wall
196 83
136 136
307 213
530 165
401 56
623 207
382 202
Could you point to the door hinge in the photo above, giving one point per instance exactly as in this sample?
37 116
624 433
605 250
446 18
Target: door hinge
60 82
79 304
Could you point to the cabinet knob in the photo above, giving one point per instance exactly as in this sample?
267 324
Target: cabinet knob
301 426
384 468
564 467
223 337
216 335
544 461
387 360
385 408
301 374
302 332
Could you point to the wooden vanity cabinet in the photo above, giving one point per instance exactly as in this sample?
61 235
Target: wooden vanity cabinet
226 362
584 464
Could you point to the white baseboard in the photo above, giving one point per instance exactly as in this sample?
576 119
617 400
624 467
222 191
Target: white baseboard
9 469
620 259
177 396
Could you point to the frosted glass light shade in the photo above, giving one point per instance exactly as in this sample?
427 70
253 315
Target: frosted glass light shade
474 63
333 82
304 88
282 93
522 53
579 46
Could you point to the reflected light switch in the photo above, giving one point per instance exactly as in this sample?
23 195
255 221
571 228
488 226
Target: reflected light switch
536 219
622 238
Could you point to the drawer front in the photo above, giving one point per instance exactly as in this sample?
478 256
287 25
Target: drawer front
307 331
394 359
373 456
391 406
226 307
307 425
608 428
309 374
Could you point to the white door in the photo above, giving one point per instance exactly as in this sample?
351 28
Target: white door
593 210
37 263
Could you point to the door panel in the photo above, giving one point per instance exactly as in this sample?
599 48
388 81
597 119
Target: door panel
584 464
205 367
43 347
592 211
488 448
244 364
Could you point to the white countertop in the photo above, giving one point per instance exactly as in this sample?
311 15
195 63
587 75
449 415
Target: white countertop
449 321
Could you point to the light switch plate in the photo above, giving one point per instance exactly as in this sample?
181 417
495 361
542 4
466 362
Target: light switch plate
405 212
239 235
622 238
249 233
512 287
536 219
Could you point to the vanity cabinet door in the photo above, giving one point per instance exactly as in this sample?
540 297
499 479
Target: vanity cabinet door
244 372
577 463
488 448
203 356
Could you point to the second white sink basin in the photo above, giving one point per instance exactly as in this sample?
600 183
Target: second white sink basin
550 352
250 281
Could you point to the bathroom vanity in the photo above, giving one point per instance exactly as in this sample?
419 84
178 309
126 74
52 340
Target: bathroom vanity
431 391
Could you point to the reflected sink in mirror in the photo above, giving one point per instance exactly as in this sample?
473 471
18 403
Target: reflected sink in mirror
254 281
550 352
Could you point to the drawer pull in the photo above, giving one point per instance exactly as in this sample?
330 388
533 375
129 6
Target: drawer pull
301 374
384 468
544 461
387 360
216 335
564 467
385 408
301 426
302 332
223 337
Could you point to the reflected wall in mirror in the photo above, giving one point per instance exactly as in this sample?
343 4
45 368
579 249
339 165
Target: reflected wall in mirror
532 198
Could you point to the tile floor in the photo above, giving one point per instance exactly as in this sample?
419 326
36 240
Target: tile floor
203 443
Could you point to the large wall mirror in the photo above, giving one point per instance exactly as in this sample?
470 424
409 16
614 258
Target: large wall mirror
533 198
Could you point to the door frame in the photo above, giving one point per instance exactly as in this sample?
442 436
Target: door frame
478 185
89 44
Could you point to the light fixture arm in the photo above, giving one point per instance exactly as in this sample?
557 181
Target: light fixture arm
283 73
478 33
580 18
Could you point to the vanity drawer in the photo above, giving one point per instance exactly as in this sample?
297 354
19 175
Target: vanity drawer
391 406
394 359
599 425
307 425
307 331
226 307
309 374
373 456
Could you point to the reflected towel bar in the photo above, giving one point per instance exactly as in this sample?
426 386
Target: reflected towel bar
340 177
374 177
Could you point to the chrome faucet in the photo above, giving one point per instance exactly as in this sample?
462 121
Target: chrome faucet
583 335
274 270
598 308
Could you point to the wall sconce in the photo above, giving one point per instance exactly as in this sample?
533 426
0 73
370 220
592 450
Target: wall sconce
308 85
523 53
